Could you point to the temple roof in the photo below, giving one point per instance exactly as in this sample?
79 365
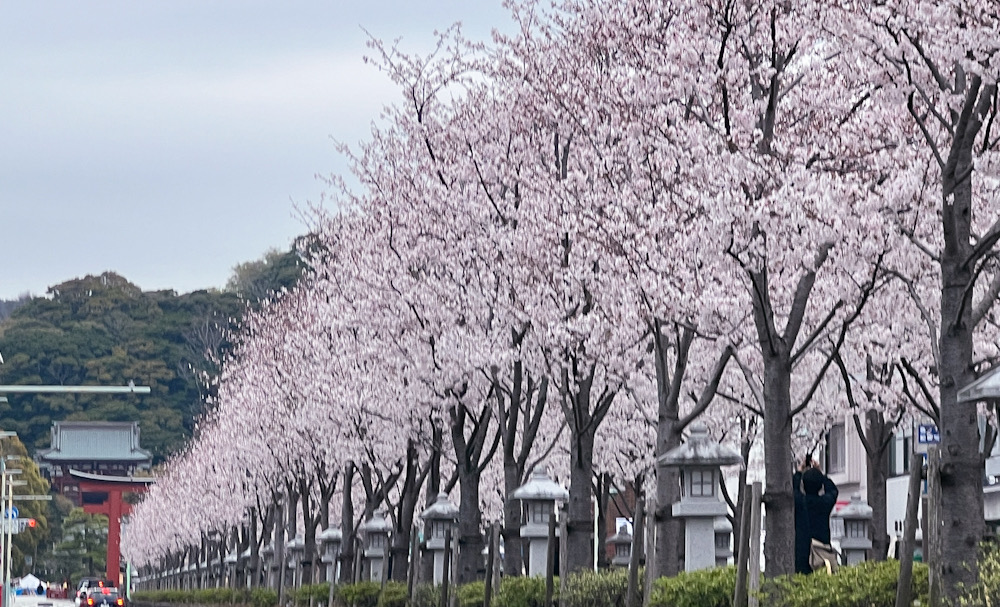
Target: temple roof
94 441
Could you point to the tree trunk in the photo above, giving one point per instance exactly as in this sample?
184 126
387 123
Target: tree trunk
310 520
668 543
348 544
470 522
430 494
961 505
580 522
603 500
470 539
779 549
513 559
404 518
877 434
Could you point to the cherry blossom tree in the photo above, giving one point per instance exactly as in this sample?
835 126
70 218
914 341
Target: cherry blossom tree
938 63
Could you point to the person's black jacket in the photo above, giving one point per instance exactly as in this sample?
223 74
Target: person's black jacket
812 513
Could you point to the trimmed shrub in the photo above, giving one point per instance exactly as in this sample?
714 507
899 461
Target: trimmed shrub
597 589
706 588
263 597
393 595
213 596
523 592
987 589
362 594
869 584
426 595
472 594
317 593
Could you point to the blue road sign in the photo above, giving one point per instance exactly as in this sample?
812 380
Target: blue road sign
927 434
10 512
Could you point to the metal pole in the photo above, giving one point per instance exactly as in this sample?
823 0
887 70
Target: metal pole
3 535
10 527
753 559
74 389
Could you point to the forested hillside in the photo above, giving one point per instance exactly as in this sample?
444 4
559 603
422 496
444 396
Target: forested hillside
105 330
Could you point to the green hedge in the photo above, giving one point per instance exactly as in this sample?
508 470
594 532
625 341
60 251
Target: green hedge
593 589
426 595
987 590
362 594
315 593
866 585
258 597
523 592
707 588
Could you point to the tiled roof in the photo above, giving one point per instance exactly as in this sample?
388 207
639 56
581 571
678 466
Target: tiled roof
95 441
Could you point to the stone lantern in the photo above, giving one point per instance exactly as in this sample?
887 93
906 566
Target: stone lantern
376 532
244 574
230 561
700 460
622 542
856 542
267 556
441 516
296 550
723 545
539 496
330 540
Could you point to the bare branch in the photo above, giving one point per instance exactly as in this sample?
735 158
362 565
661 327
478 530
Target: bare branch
980 310
926 133
935 71
710 389
802 292
816 332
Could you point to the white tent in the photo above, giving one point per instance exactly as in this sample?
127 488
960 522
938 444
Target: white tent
29 582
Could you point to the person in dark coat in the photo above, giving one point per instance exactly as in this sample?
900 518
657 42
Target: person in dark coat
815 496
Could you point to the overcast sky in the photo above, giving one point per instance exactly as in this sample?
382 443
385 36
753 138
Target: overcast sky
169 140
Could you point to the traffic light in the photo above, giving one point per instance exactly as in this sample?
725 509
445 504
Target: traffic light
31 523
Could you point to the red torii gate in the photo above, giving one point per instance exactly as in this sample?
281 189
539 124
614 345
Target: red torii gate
102 494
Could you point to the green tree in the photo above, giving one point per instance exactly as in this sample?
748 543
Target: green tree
28 542
83 549
276 270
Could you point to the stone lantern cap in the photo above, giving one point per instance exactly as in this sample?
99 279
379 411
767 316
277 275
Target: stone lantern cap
856 509
722 525
441 510
331 534
700 450
267 550
231 558
540 487
297 544
622 537
245 555
377 524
